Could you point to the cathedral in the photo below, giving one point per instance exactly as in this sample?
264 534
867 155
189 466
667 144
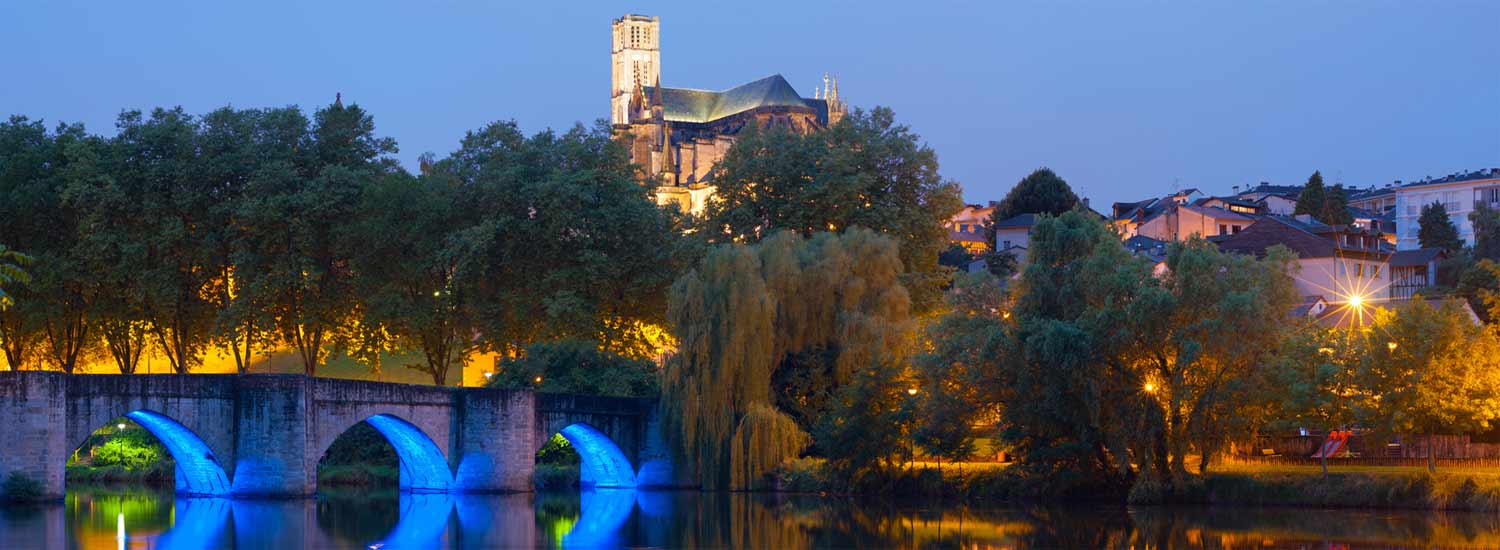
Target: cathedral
676 135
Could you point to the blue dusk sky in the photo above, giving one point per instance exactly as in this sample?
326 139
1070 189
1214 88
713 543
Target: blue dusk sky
1125 100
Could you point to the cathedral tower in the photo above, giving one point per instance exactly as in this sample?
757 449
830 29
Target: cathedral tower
635 60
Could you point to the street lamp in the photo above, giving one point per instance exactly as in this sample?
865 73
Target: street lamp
1391 345
537 380
1150 388
120 426
911 391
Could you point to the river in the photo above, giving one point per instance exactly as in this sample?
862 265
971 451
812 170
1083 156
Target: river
136 518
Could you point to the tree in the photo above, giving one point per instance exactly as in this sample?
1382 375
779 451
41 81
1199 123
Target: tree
411 294
867 171
1486 223
25 175
1041 192
1313 200
1436 230
12 272
1429 370
1109 365
1335 210
579 367
294 218
746 316
954 385
1313 372
562 242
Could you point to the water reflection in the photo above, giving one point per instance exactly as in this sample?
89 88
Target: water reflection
623 518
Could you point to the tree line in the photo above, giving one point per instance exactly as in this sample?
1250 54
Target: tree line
251 230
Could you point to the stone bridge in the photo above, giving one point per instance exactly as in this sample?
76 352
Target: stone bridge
264 434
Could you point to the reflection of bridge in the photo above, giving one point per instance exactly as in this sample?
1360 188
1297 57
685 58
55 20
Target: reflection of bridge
263 434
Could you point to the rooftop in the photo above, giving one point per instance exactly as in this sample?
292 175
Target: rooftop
690 105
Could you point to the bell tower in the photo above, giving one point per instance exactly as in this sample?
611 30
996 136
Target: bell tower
635 60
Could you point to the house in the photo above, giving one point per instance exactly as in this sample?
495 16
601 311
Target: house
1280 200
1338 262
1146 217
1177 222
1013 235
1234 204
1459 193
966 228
1414 270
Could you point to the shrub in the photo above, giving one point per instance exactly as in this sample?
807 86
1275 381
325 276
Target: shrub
554 476
128 452
558 451
19 487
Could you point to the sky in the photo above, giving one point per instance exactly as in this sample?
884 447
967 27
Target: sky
1123 99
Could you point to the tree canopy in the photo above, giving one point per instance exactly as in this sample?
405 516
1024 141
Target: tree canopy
1040 192
866 171
1314 197
1436 230
579 367
748 315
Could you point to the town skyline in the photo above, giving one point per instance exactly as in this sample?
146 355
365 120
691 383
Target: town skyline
1118 112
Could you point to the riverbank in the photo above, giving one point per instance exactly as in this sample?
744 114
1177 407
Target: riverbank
1231 485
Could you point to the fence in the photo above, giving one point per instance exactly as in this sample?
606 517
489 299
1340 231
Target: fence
1367 447
1370 461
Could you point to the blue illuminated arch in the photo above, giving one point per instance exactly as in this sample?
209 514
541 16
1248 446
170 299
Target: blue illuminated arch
197 523
423 466
198 471
603 464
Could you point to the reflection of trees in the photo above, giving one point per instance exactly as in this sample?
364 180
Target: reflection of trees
1250 527
737 521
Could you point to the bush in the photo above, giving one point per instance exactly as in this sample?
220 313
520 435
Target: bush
578 366
19 487
358 475
554 477
131 453
558 451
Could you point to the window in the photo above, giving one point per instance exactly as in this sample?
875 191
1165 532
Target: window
1359 270
1005 246
1223 229
1374 271
1235 228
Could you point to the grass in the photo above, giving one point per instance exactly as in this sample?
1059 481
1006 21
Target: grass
1345 486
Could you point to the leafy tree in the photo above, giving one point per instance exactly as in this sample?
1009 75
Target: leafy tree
60 301
955 256
1480 283
1313 200
1436 230
747 315
577 366
564 242
294 217
1313 372
867 171
411 294
955 387
1429 370
1486 223
867 418
1041 192
25 174
12 273
1335 210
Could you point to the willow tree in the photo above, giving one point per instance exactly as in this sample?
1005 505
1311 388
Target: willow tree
748 311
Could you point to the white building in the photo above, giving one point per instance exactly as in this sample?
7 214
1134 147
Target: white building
1457 192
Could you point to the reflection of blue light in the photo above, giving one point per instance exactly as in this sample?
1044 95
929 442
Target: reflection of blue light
424 519
423 467
198 472
603 463
604 512
196 523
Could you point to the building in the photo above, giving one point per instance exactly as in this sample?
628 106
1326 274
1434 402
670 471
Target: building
966 228
1375 199
1013 235
1337 263
677 135
1459 193
1280 200
1126 217
1178 222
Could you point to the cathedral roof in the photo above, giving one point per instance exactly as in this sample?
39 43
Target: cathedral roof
689 105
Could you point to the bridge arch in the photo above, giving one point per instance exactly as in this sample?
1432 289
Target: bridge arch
198 471
602 463
424 468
